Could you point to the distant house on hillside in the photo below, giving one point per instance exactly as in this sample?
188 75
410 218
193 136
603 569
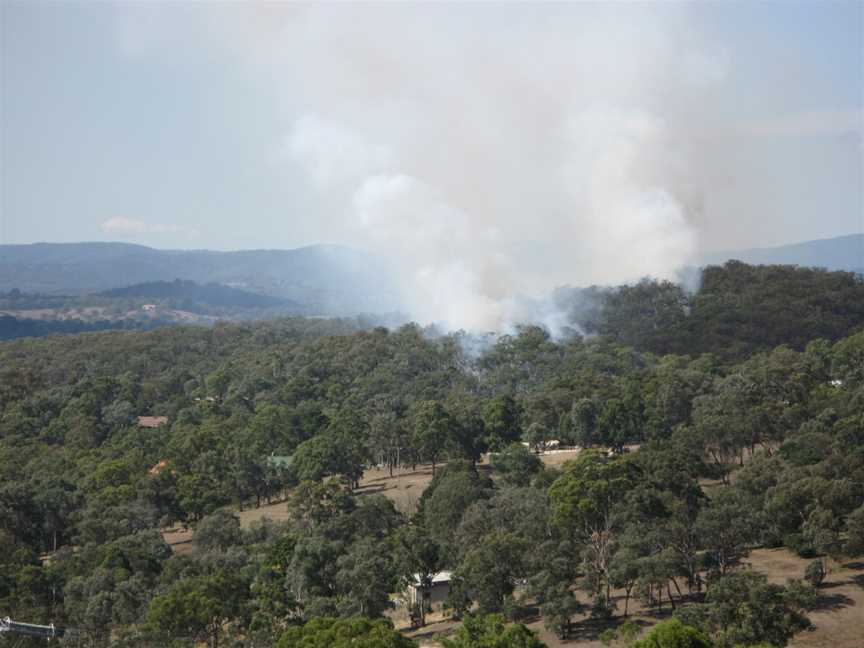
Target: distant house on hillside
148 308
435 595
152 421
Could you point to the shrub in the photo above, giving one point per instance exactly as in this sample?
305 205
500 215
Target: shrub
815 573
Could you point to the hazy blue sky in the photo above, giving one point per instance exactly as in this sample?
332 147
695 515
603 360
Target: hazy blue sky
186 125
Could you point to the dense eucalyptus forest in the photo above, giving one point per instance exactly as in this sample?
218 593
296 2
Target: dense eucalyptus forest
710 424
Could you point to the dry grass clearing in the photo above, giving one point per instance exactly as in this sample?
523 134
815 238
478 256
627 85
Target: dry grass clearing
406 485
179 539
277 511
839 615
557 458
404 488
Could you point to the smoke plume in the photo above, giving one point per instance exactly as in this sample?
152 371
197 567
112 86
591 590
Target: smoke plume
490 152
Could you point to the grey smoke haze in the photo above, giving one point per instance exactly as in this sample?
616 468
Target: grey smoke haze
490 153
444 142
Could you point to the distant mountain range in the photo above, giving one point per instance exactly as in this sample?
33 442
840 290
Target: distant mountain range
319 279
840 253
323 279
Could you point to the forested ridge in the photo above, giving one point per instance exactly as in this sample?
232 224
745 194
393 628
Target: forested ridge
300 408
738 309
12 328
181 293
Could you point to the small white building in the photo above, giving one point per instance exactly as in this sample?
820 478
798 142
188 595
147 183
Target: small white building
435 595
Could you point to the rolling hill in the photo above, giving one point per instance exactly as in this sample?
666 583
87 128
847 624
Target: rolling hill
839 253
318 279
322 279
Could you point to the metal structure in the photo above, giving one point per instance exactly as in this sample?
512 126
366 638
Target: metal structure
31 629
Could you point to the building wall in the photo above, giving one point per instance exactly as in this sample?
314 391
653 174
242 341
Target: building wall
438 593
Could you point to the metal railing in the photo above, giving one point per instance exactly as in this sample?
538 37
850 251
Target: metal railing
31 629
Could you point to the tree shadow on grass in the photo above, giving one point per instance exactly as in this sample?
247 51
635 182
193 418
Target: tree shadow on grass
660 615
371 490
590 629
833 602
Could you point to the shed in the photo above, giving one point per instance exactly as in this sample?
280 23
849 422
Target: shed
435 595
152 421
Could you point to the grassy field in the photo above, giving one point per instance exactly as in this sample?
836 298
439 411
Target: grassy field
404 488
839 614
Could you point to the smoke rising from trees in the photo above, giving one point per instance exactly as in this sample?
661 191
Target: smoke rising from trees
490 155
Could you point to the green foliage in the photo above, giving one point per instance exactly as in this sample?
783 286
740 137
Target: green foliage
621 422
743 608
329 454
453 490
356 632
624 635
585 496
502 421
728 525
198 607
740 309
108 595
434 430
806 449
318 503
855 532
253 407
583 421
490 631
516 464
814 573
490 569
673 634
23 327
629 631
219 530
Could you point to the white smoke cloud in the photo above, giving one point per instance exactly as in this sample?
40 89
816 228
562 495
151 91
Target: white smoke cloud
490 152
619 175
334 155
809 124
435 248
